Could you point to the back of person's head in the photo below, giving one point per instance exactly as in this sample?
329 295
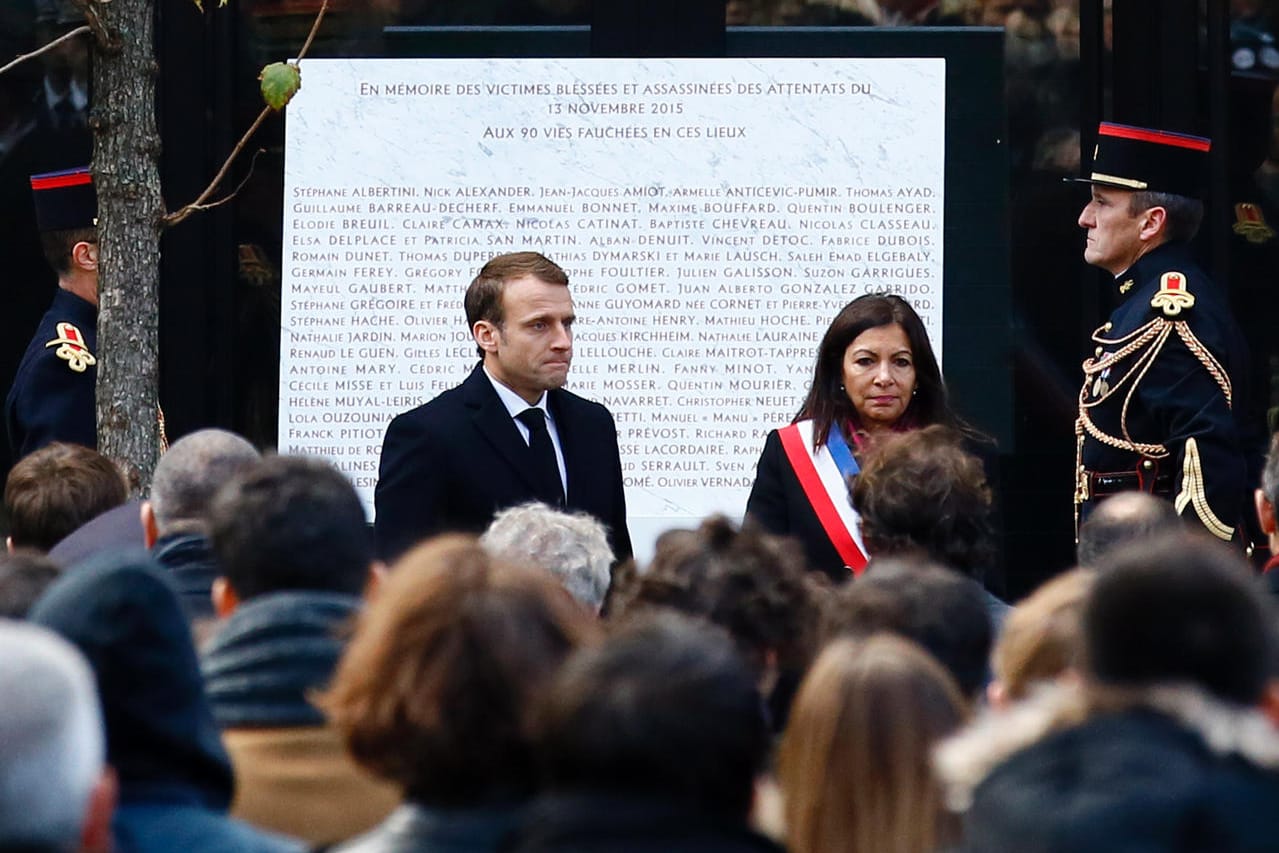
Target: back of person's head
753 585
1123 518
54 490
52 751
1266 498
1270 473
24 575
1042 638
290 523
571 546
434 690
664 708
125 618
855 761
921 492
942 611
190 473
1181 610
57 246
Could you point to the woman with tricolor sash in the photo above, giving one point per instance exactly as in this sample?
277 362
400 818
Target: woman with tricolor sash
875 374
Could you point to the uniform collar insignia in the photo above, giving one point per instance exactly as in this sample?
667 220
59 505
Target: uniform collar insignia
1126 286
1250 223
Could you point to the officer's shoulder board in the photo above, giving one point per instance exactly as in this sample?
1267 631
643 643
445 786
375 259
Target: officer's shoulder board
71 348
1174 294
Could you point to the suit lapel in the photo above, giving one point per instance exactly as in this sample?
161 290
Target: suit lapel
495 424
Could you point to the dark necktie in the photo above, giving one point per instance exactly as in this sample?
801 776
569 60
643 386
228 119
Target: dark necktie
542 452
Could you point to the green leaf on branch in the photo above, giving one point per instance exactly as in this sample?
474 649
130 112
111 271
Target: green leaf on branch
280 82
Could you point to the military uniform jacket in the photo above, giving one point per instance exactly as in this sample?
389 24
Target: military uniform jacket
52 397
1158 399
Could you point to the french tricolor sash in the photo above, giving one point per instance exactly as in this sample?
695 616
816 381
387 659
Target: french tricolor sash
825 486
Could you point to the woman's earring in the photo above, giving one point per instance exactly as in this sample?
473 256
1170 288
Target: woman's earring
914 391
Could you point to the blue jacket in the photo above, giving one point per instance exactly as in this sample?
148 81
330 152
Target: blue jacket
192 567
52 396
175 778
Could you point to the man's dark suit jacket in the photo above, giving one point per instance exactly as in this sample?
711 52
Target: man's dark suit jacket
454 462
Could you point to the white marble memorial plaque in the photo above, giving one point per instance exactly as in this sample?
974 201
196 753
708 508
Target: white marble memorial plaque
713 216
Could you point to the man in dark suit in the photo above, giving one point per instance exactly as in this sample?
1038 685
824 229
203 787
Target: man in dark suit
510 433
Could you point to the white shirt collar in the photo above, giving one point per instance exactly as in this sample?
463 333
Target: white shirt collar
513 402
75 94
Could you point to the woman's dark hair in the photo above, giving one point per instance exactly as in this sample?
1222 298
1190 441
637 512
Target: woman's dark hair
922 492
751 584
665 708
827 403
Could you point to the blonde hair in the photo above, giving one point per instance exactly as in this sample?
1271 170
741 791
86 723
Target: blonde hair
1042 636
855 761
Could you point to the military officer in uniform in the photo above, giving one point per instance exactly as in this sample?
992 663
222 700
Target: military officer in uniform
52 396
1158 410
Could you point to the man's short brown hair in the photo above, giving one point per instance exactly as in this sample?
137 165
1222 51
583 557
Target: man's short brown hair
484 295
53 491
57 246
435 686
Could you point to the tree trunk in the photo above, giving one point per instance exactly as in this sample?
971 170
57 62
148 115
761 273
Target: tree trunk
126 173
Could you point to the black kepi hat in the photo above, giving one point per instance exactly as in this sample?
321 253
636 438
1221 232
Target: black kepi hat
65 200
1139 158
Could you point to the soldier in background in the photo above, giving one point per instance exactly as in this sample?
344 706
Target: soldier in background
1159 408
52 397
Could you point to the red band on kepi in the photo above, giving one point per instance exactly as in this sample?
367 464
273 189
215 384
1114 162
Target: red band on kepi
1158 137
1144 159
54 180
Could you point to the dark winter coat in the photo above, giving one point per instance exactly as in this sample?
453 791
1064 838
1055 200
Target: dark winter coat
175 779
1169 769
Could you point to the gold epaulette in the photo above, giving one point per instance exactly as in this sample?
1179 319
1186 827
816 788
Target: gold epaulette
71 348
1173 296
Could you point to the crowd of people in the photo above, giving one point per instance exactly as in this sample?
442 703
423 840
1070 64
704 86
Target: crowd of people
240 662
236 670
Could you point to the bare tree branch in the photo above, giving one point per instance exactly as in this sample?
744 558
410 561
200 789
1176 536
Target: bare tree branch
315 28
183 212
78 31
200 203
